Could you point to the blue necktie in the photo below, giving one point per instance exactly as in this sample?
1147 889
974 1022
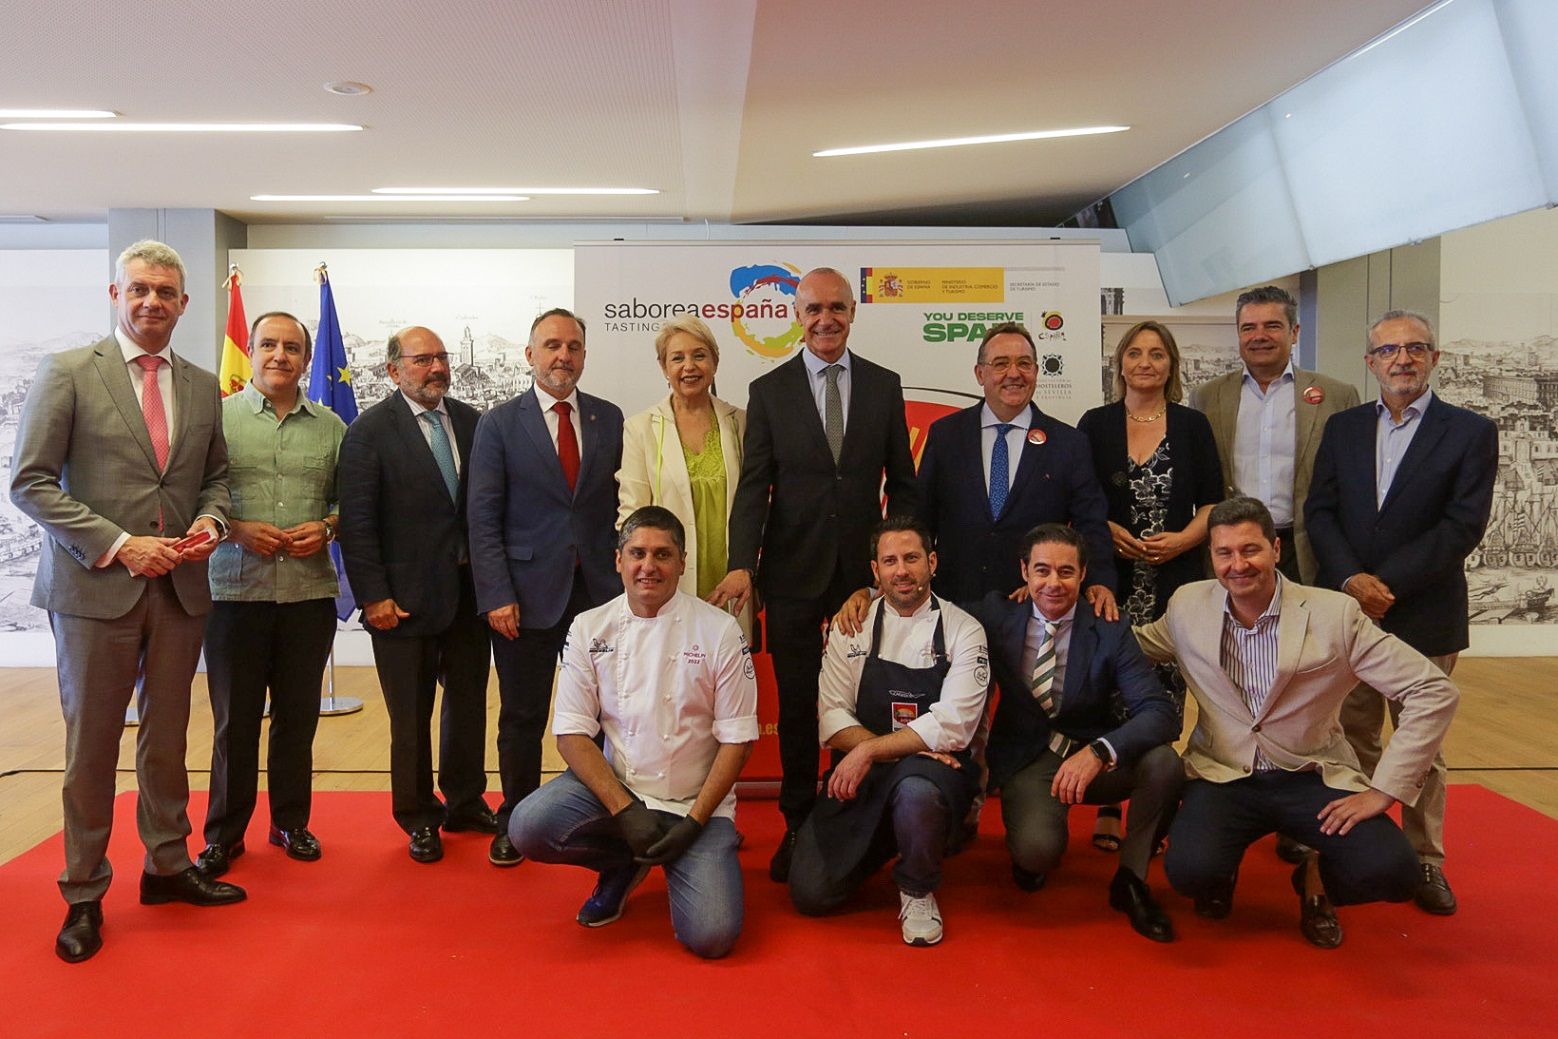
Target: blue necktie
442 454
999 470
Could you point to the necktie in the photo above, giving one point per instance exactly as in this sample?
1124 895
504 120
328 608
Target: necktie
1000 470
442 454
567 443
152 409
1043 677
833 411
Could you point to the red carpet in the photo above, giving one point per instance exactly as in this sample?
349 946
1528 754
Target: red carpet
367 942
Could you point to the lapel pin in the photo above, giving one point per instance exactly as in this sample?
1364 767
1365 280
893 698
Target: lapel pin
1314 395
1036 436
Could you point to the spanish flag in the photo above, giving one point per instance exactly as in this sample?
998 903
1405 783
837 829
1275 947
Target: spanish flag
235 346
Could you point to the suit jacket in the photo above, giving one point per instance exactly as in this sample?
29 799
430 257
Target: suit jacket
1197 481
1103 657
1054 483
528 530
85 471
654 472
807 515
1219 401
1418 539
1325 647
401 534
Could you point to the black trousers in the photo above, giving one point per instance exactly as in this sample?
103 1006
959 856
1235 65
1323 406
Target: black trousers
526 667
252 647
1374 862
410 669
794 639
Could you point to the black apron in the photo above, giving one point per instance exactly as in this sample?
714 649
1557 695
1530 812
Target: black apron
856 836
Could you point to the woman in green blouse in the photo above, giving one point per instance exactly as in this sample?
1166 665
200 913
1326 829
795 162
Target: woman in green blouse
684 454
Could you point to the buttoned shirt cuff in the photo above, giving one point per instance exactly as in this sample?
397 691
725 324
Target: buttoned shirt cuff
108 557
567 724
736 730
834 722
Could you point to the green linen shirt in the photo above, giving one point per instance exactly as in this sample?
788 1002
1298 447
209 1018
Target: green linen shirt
282 473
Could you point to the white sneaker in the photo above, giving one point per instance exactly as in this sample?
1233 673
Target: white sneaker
921 919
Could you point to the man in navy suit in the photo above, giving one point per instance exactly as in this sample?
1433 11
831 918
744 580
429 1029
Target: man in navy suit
1056 741
823 430
992 472
402 478
543 541
1392 527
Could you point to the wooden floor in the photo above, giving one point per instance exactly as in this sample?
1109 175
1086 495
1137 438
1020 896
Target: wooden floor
1505 737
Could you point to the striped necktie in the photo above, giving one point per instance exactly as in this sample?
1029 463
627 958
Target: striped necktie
1042 680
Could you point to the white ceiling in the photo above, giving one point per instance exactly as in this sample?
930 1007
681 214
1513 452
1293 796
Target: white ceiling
717 103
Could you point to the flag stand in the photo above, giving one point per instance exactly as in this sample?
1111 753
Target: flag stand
332 704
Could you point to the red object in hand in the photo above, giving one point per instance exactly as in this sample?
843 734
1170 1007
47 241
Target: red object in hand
195 540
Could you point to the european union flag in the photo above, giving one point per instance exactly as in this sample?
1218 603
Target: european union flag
330 384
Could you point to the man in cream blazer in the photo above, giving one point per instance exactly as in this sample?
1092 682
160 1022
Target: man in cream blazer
1270 663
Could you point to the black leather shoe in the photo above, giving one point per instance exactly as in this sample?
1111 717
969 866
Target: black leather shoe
190 886
779 865
217 859
1289 850
299 843
1129 894
476 819
426 845
82 934
1215 905
1434 894
503 852
1316 916
1027 879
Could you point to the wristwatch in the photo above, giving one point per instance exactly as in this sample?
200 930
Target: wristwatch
1100 749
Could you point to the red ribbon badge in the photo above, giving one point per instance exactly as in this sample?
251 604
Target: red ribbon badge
1314 395
1036 436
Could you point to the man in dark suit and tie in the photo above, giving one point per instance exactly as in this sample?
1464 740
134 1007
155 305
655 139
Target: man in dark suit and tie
543 540
1392 527
822 431
992 472
402 481
1056 741
119 457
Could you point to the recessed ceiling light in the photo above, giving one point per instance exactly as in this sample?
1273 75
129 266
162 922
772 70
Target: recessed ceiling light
956 142
388 198
56 113
348 88
519 191
183 127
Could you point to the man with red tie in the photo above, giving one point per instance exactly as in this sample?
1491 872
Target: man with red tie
120 459
543 510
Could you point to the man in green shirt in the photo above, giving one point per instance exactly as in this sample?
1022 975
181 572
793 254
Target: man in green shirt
273 587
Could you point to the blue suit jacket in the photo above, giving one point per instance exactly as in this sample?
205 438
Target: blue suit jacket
1418 539
527 528
1103 657
1054 483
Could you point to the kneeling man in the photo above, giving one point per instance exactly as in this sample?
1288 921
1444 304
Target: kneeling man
898 703
668 680
1269 662
1057 742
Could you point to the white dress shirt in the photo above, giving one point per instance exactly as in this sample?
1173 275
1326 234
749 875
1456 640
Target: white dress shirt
819 383
546 400
443 420
950 722
667 691
1015 438
1264 441
136 373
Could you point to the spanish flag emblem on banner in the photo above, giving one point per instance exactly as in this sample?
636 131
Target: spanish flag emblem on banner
235 371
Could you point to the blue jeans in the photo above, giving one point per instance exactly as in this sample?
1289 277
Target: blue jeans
563 822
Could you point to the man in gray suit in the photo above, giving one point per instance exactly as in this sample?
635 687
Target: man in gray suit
120 459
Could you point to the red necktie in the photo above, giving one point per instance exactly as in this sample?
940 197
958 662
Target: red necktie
567 443
152 409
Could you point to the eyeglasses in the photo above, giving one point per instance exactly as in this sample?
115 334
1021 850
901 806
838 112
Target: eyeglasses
424 360
1385 351
1002 365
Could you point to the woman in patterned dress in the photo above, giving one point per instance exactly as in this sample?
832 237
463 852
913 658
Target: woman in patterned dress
1158 465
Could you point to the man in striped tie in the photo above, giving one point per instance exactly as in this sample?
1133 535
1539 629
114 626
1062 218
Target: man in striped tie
1057 740
1270 662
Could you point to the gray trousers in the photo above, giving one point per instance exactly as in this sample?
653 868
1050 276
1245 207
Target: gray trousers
152 651
1035 819
1363 720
